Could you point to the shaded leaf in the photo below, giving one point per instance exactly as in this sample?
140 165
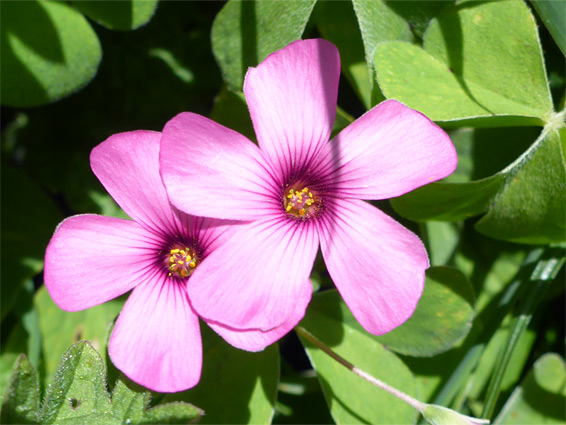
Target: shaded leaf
553 14
243 383
531 208
541 398
245 32
48 60
118 15
21 402
443 316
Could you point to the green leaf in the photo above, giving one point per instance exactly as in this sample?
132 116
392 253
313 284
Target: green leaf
541 398
243 383
443 316
130 405
463 75
418 13
121 15
78 393
350 398
553 14
26 230
378 23
231 110
337 23
441 240
43 62
245 32
531 208
60 328
21 402
172 413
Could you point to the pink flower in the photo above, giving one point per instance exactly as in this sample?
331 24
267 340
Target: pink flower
299 190
91 259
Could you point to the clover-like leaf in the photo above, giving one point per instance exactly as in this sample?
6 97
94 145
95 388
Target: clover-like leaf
462 74
541 398
121 15
48 60
245 32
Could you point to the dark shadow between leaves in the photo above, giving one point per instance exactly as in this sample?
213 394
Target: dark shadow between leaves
113 14
248 30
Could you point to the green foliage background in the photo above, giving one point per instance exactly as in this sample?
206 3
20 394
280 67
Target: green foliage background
486 333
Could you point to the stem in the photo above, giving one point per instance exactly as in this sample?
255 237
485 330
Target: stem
380 384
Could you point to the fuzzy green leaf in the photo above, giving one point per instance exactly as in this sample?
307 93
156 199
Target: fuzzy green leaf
531 208
462 74
78 394
245 32
43 62
21 402
121 15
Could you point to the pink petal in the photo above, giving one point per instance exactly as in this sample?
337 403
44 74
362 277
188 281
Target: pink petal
127 164
292 99
210 170
156 340
92 259
257 340
388 151
377 265
253 281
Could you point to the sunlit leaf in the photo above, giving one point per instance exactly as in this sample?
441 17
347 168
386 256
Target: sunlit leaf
461 74
350 398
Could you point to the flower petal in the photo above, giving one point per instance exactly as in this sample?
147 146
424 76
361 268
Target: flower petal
92 259
212 171
377 265
156 340
257 340
127 164
292 99
263 267
388 151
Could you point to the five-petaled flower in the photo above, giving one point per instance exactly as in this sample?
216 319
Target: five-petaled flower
299 189
91 259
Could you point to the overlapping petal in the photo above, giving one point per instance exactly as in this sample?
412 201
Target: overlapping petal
254 279
292 99
388 151
376 264
210 170
127 164
92 259
156 341
257 340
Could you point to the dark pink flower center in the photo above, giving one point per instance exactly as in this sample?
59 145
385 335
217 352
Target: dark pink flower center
301 203
182 261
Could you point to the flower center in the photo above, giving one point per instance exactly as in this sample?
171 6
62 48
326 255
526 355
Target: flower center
301 203
182 261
